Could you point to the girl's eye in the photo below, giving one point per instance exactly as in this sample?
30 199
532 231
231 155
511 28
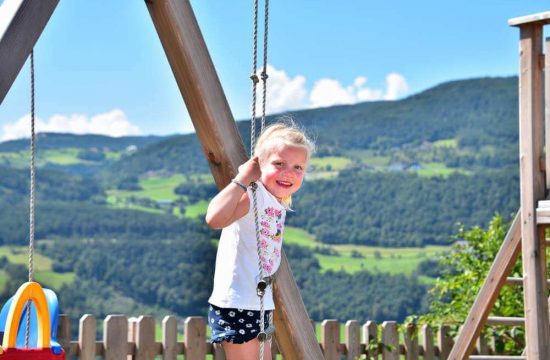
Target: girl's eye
298 167
278 163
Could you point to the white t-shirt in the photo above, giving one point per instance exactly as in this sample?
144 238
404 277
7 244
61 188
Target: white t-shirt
237 271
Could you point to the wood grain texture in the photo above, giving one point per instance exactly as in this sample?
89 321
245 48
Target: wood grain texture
21 23
223 147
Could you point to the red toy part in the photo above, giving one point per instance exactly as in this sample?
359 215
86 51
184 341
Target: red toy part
30 354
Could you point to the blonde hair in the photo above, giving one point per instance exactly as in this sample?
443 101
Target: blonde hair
279 134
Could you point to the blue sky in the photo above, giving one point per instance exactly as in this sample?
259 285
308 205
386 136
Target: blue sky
100 66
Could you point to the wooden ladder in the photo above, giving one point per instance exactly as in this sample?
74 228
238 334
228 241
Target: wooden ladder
527 231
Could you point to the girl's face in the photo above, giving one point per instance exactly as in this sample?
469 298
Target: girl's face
283 170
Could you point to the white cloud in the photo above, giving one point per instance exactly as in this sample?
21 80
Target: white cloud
283 92
396 86
112 123
290 93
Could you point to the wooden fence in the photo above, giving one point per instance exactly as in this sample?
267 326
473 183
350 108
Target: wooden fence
135 338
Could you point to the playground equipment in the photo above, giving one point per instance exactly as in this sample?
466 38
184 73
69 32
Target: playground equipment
41 343
527 232
22 21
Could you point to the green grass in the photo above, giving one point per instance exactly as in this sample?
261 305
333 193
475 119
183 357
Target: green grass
374 259
42 266
68 156
53 279
330 162
450 143
297 236
438 169
197 209
155 188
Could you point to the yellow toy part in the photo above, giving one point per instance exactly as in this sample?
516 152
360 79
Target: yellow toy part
28 291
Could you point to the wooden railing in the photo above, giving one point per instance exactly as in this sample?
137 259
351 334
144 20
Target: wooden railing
137 338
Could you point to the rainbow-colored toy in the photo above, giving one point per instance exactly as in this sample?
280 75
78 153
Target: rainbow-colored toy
42 344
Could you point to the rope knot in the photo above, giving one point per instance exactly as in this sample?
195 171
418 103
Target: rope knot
264 76
254 79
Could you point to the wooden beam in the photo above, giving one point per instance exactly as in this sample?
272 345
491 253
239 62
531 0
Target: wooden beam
540 18
502 265
547 110
21 23
202 92
532 187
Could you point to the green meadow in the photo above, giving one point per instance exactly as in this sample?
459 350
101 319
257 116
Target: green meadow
43 272
354 258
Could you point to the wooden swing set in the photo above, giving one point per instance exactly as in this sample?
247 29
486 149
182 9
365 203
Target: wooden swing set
22 22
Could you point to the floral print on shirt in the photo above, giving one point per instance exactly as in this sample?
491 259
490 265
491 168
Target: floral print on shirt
271 230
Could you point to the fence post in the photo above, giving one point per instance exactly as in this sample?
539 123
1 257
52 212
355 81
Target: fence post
195 338
115 337
390 339
353 345
145 338
86 337
330 339
132 330
428 341
411 342
169 338
445 342
370 333
64 332
218 352
481 345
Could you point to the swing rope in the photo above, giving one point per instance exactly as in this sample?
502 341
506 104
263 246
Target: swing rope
262 283
31 201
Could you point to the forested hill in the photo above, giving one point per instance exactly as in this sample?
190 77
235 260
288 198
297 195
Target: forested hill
476 112
119 214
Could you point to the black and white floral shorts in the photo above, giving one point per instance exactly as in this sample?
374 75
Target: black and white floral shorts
234 325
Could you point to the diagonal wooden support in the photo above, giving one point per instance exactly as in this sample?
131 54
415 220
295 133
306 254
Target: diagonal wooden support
21 23
502 265
201 89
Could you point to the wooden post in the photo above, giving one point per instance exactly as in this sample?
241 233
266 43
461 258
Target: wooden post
218 352
411 342
547 111
353 345
428 342
532 183
145 338
330 339
390 339
488 294
445 342
21 23
64 332
132 333
86 337
199 84
195 338
169 338
370 333
115 337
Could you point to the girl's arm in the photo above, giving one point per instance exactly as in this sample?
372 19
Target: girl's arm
232 203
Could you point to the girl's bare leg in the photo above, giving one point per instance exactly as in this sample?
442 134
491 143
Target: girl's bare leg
247 351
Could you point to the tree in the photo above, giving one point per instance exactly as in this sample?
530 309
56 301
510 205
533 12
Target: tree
463 271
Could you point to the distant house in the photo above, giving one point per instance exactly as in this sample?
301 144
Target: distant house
397 167
131 148
415 166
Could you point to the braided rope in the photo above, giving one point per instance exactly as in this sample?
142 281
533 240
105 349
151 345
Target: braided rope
31 202
255 80
264 72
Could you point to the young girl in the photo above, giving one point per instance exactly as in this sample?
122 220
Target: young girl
280 159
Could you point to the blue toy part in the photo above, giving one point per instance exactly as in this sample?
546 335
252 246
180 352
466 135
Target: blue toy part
53 307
